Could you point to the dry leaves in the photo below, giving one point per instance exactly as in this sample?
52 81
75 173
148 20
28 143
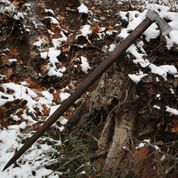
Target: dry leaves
95 31
7 72
14 50
175 126
15 3
141 152
2 110
5 59
56 30
60 18
42 5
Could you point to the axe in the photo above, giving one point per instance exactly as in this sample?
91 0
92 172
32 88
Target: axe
151 17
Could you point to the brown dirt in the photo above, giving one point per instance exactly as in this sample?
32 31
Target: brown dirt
157 126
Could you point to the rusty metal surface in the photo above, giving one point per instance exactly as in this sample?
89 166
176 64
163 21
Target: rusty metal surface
84 86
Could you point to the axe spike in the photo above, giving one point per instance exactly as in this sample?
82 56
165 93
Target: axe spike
89 81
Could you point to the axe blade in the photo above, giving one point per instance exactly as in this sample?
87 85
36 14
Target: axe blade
164 26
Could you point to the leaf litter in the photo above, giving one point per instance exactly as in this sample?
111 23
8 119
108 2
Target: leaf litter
25 103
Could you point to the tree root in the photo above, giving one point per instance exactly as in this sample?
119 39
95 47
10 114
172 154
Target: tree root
98 154
123 130
116 98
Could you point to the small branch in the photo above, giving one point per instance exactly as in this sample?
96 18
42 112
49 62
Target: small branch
98 154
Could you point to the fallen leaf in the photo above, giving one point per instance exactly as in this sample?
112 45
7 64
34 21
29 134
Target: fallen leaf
57 11
159 124
60 17
43 69
95 31
42 5
159 142
84 95
104 49
175 126
5 59
2 110
109 28
97 11
141 152
5 120
15 3
97 175
65 27
43 39
14 50
7 72
57 98
56 30
175 83
46 110
66 49
68 8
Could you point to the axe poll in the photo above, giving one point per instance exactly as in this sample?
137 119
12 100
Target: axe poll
151 17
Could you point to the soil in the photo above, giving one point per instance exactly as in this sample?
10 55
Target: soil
120 101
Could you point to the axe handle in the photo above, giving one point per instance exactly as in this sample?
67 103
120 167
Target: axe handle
84 86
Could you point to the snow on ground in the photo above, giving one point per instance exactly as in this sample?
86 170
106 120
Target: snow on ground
31 161
172 110
134 19
85 66
10 137
82 9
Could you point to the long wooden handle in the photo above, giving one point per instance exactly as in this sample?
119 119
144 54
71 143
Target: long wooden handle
84 86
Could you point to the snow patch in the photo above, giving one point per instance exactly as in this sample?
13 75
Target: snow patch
137 77
83 9
85 32
64 96
85 66
157 107
163 70
172 110
112 47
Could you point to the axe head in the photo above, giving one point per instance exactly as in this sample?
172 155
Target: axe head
164 26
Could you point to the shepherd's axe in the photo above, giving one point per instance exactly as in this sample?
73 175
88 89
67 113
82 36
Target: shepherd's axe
151 17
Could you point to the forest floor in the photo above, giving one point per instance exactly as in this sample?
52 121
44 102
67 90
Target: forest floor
48 48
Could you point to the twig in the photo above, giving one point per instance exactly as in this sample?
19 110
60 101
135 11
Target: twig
98 154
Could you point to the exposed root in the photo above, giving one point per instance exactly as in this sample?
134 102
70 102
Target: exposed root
98 154
104 139
123 129
119 94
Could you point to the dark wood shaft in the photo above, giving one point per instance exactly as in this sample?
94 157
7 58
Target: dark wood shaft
84 86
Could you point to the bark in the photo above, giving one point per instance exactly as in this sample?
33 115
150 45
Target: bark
115 98
126 111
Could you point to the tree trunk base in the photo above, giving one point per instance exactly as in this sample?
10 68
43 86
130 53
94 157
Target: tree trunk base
114 99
